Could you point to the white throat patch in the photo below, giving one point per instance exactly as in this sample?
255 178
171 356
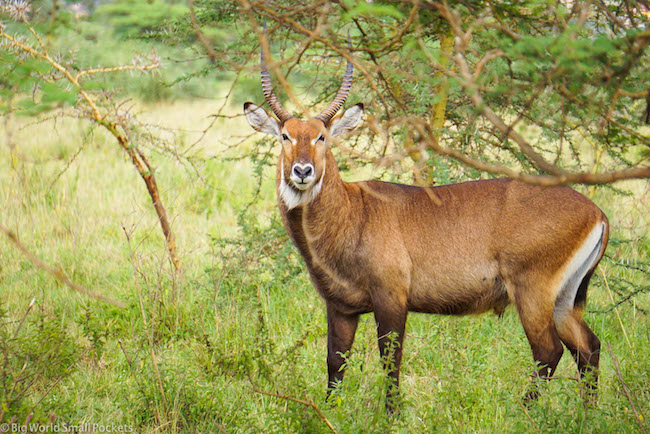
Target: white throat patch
293 197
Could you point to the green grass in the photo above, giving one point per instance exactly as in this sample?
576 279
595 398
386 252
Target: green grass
187 351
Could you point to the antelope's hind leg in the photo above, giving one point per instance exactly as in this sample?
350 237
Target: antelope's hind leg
583 344
574 332
536 315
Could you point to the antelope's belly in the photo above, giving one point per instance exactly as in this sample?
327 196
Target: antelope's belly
476 288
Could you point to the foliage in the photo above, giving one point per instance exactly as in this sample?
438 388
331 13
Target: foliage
573 73
37 353
77 40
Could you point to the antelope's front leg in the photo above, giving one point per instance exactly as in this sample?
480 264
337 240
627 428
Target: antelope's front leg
340 336
391 324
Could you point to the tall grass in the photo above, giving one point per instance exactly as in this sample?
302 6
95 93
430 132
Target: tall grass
224 345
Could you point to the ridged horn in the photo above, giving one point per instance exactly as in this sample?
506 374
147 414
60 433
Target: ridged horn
267 89
327 115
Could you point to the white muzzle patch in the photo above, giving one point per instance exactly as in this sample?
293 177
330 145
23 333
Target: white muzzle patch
297 191
302 175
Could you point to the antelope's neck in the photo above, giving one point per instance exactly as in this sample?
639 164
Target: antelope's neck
332 205
326 215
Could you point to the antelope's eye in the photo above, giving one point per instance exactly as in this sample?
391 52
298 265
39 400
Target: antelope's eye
285 137
320 138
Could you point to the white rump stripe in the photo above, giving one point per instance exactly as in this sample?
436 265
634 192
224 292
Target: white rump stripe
583 259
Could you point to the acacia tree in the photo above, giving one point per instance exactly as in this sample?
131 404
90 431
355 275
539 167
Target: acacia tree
550 92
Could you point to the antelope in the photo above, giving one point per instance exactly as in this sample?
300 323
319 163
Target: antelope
456 249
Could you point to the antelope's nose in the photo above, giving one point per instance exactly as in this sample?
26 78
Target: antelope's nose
303 171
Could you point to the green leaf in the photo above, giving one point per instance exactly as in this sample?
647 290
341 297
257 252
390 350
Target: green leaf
55 94
27 107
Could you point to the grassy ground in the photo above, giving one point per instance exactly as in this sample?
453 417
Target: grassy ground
195 351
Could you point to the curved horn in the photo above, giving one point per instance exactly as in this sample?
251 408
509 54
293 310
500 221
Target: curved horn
327 115
267 88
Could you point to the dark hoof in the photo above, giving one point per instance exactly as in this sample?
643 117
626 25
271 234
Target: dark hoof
393 406
392 411
531 397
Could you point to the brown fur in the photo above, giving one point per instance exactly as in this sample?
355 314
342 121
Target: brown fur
457 249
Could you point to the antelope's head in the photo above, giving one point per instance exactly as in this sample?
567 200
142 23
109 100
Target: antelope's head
304 143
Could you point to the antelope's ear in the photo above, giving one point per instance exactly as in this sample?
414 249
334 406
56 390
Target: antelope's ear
348 121
260 120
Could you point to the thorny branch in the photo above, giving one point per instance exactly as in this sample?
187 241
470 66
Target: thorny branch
468 80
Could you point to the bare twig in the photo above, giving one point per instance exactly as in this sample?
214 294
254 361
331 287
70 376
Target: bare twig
149 330
523 407
135 376
611 297
22 320
309 403
65 169
58 274
54 384
141 68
